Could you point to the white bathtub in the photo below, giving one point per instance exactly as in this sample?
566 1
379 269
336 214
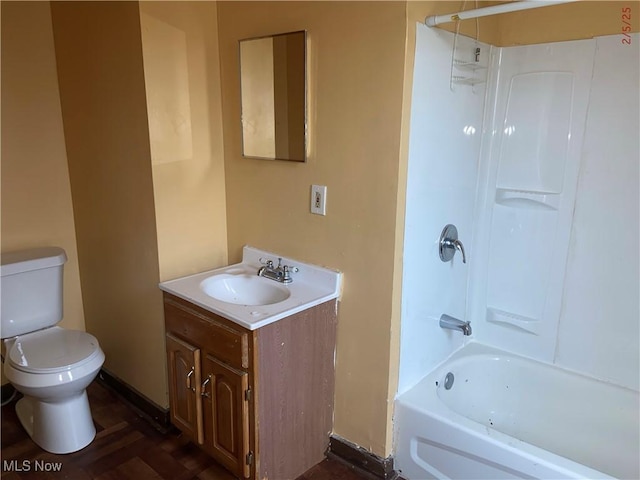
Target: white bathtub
510 417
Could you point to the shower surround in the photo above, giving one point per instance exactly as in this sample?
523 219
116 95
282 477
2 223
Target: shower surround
538 169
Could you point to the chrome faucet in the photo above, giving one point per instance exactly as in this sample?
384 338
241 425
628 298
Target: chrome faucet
449 244
447 321
281 273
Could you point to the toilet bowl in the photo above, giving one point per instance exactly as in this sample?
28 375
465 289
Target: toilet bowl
51 366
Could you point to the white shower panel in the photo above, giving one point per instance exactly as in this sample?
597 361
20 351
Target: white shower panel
599 331
529 170
444 146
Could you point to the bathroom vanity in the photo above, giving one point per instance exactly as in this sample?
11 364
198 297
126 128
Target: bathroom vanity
253 384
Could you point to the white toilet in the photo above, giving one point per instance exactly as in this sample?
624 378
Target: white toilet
49 365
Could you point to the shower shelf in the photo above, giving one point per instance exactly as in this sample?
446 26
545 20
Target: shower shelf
472 66
460 80
513 320
466 63
527 199
469 68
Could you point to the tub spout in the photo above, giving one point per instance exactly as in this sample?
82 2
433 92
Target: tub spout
447 321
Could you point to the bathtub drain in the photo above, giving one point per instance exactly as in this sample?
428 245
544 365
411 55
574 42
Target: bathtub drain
448 381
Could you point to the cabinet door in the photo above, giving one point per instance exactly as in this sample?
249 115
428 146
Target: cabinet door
184 382
226 415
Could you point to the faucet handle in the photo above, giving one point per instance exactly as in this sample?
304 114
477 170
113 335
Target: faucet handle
457 244
286 273
268 263
449 244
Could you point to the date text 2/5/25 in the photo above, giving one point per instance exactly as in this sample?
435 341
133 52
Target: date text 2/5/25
626 25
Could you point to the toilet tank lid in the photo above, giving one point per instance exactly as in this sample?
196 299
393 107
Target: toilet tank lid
32 259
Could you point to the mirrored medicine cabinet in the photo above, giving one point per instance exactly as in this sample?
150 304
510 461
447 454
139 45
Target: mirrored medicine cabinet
274 97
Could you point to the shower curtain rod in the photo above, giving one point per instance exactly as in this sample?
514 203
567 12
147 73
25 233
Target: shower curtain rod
434 20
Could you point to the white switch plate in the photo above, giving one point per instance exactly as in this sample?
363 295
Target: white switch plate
319 199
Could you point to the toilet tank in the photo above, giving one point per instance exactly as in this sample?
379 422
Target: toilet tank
30 290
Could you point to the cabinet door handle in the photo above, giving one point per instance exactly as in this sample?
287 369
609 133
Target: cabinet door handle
189 387
203 387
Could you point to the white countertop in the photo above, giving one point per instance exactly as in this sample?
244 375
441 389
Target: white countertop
311 286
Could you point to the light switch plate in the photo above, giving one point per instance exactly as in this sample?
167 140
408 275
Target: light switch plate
319 199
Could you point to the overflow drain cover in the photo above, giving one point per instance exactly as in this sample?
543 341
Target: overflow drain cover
448 381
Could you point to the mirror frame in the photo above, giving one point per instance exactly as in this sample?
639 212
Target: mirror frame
305 126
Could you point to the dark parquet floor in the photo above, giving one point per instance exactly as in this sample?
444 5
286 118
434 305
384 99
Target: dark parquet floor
126 447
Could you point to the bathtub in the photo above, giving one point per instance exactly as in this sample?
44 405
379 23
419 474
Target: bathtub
506 416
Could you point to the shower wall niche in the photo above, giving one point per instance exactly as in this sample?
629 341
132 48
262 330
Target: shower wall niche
528 174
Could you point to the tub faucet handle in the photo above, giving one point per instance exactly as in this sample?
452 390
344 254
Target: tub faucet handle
458 246
449 244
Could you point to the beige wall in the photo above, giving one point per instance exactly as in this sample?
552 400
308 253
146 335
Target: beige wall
104 102
36 195
188 179
100 71
356 61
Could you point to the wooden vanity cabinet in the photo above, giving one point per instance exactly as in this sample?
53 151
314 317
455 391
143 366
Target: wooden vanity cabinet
183 362
226 415
259 401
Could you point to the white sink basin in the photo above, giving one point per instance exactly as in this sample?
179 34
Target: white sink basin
237 293
244 289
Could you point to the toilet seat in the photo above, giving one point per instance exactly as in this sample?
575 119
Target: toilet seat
52 350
